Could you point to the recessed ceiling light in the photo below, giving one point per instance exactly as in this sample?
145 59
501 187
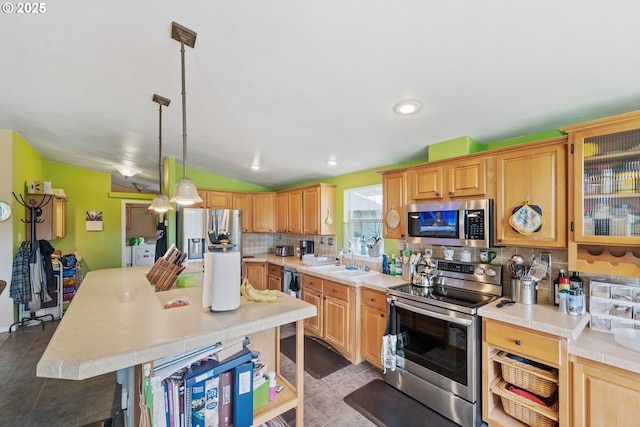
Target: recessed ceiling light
255 167
408 106
332 162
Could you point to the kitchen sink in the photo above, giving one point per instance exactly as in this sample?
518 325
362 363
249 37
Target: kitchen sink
340 270
329 268
355 273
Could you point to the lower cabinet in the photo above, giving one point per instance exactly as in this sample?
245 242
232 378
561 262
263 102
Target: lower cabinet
603 395
373 322
543 373
274 277
336 307
256 273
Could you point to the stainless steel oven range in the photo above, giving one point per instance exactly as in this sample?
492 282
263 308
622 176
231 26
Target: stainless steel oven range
439 338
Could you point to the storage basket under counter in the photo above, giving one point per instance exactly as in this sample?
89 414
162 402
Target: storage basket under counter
614 305
528 390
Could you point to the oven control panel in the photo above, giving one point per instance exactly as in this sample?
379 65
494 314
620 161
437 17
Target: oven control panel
468 271
456 267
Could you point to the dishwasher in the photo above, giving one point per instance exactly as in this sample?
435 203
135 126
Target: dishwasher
291 281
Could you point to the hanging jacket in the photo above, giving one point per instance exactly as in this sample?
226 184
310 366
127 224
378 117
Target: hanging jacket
20 289
46 250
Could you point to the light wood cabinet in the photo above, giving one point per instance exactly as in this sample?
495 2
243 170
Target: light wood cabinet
282 212
274 277
394 199
219 199
603 395
546 349
373 322
52 221
448 180
311 292
318 209
256 273
264 212
294 211
289 211
339 323
535 173
244 203
604 195
336 319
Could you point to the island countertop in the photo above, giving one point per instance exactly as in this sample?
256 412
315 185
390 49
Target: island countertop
117 321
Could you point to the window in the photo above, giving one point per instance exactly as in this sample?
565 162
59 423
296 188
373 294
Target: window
363 217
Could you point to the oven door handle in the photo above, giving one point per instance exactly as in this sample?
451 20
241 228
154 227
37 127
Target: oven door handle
465 322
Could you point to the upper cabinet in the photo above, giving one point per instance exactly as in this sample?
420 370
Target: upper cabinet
449 180
318 209
282 213
219 199
535 173
264 212
394 199
52 221
605 195
244 203
289 211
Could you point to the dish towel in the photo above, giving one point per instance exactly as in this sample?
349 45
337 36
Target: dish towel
389 341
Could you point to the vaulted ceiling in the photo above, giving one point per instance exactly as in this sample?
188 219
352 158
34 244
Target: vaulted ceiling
289 84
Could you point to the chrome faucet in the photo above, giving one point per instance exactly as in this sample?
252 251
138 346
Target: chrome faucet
350 249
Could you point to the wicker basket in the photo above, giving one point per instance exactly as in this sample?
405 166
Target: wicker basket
525 410
535 380
163 274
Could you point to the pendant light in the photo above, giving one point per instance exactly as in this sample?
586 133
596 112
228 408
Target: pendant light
185 192
160 202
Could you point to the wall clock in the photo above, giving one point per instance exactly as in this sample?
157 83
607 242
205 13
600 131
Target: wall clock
5 211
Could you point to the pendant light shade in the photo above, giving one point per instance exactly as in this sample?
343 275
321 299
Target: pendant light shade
185 192
160 202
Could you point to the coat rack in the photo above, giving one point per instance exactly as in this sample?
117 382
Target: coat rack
35 210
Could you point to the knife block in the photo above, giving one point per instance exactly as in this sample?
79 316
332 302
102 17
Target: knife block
163 274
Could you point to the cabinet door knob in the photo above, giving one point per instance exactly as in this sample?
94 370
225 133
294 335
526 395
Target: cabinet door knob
518 342
451 193
437 194
373 300
382 315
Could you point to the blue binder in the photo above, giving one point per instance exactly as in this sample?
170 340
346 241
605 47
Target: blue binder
213 368
243 395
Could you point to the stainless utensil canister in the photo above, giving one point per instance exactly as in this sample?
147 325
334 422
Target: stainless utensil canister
524 291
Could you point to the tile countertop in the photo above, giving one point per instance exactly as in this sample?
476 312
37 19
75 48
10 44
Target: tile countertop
116 321
583 341
379 282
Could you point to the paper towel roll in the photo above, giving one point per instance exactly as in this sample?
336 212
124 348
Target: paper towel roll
221 287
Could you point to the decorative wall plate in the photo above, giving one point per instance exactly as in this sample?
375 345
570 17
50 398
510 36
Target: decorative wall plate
393 219
5 211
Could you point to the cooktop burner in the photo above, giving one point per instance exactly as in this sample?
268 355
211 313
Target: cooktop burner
459 286
446 294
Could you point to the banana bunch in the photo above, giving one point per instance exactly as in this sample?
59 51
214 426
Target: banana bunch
251 293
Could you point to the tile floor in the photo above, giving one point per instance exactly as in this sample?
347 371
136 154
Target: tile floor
27 400
323 398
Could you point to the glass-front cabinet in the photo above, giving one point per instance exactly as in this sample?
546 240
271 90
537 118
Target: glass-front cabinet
604 229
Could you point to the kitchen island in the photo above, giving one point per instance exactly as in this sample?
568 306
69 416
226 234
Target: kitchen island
117 323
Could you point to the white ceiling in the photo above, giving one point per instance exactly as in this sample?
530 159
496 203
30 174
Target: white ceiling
291 83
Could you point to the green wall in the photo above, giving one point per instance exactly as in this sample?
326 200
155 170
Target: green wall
88 190
28 165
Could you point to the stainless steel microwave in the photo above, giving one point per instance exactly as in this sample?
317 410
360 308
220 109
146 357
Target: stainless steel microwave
464 223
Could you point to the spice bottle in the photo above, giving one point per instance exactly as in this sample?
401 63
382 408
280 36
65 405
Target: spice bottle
556 287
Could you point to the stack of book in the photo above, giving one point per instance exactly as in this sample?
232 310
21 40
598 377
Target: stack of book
215 391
